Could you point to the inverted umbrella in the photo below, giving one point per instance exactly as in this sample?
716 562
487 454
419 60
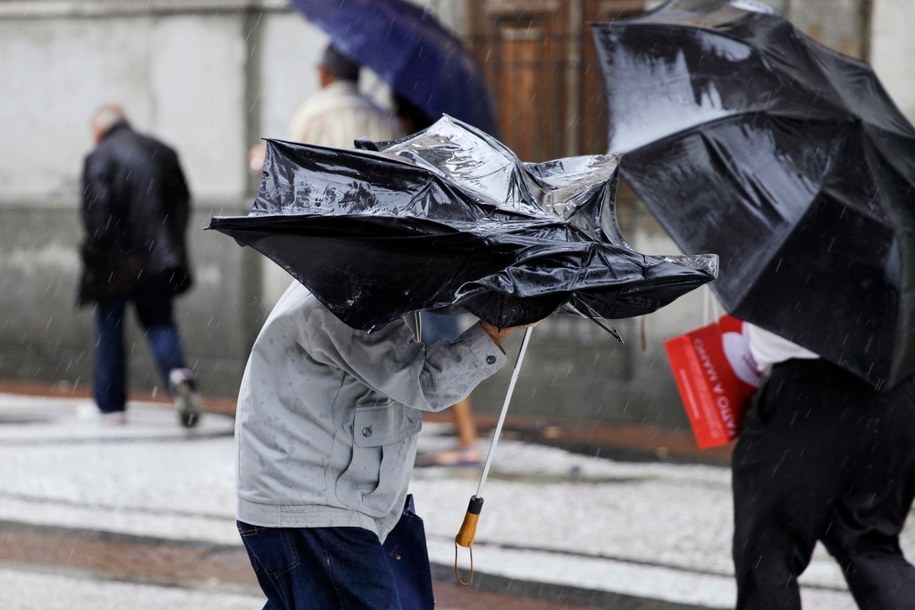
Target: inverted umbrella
747 138
411 51
449 218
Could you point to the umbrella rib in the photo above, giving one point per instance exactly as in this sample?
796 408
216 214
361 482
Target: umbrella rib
594 317
700 127
760 53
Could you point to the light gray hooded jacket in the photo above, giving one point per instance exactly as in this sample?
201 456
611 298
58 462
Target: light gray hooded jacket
327 415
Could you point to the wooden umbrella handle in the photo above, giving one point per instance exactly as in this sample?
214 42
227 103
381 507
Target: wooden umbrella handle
468 529
466 535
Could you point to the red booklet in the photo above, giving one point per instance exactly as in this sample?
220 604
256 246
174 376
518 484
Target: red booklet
716 377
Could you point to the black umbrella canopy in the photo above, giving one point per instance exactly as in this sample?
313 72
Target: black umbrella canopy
449 218
747 138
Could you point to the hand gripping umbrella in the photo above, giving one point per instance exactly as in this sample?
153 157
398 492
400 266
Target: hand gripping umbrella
449 219
746 138
411 51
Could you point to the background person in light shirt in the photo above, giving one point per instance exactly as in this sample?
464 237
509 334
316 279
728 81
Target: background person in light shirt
338 113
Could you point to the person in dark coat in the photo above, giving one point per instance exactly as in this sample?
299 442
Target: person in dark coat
825 457
135 211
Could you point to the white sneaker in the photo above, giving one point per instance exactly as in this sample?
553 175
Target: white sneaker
183 384
116 418
91 413
87 412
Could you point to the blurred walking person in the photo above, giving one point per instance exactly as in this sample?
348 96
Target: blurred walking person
338 113
135 210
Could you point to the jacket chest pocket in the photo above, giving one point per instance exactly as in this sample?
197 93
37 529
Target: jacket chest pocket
383 441
379 426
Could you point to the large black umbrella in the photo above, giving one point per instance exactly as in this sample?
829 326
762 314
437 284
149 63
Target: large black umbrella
449 218
411 51
747 138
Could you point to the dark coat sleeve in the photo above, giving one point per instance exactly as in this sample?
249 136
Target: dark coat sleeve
178 193
97 210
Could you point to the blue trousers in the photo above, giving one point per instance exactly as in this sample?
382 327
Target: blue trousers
321 568
437 326
152 301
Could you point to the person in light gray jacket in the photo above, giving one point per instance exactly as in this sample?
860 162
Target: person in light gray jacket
326 439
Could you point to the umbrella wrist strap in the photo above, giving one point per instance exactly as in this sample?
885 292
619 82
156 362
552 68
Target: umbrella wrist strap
457 570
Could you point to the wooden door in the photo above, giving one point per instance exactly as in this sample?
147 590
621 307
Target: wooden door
540 61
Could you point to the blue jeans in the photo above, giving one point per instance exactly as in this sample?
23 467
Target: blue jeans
438 326
320 568
152 301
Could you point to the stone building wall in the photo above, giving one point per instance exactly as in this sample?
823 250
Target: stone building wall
212 76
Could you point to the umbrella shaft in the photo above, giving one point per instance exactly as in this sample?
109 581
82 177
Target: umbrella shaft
508 398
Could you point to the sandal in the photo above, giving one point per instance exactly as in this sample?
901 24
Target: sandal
460 456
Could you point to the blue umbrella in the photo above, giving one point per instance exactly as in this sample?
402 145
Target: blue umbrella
411 51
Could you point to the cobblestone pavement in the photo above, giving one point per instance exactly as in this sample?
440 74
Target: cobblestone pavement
142 516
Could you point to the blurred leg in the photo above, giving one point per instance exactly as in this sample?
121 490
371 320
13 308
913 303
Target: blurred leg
110 384
153 303
165 345
438 327
769 553
464 424
863 533
466 453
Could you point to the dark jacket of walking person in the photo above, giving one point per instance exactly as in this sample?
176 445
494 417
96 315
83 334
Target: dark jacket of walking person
822 456
135 210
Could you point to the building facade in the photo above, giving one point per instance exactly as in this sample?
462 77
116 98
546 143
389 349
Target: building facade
211 77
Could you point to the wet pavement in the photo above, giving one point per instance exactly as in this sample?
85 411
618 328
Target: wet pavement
142 515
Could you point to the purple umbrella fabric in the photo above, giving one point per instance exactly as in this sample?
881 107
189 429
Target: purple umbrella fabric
411 51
